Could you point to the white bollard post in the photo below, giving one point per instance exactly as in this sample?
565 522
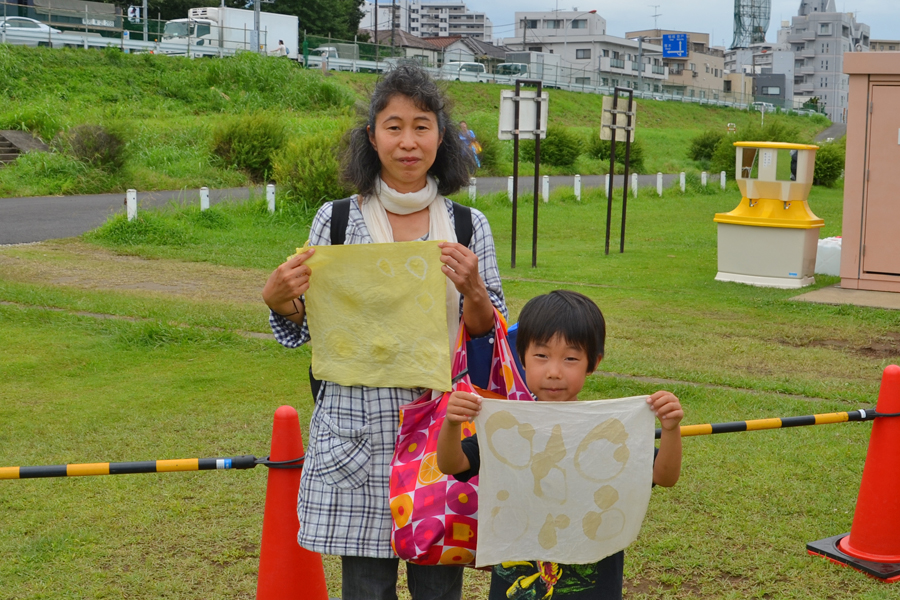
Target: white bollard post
703 178
131 204
509 188
659 184
545 188
472 191
722 179
634 181
204 198
681 181
606 187
577 186
270 197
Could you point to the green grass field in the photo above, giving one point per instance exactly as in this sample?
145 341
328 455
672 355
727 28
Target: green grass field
138 342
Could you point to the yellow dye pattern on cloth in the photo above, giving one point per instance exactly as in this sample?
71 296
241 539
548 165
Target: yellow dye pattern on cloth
377 315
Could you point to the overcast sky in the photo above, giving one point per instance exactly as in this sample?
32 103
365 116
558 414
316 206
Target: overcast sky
715 17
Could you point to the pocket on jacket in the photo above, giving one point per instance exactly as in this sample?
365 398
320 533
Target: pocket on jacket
343 456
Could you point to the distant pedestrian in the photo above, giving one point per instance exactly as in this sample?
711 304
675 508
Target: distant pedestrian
470 142
280 50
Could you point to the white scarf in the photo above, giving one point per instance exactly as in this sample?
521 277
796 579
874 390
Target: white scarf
375 208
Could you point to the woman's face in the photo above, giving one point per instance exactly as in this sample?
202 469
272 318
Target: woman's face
407 140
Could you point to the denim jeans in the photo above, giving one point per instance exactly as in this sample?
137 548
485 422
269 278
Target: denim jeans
376 579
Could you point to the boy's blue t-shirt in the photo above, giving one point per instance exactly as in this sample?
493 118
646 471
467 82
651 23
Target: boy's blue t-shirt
532 580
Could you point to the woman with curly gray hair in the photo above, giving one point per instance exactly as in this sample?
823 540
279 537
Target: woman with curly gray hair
402 161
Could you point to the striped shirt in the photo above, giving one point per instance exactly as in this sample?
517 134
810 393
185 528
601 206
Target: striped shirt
343 504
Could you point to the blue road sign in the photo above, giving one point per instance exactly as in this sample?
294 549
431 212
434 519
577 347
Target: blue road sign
675 45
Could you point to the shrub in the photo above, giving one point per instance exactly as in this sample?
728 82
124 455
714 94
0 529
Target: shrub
148 228
829 162
248 143
560 148
95 145
601 149
704 145
309 169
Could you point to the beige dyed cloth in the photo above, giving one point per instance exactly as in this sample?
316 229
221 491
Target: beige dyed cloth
378 315
567 482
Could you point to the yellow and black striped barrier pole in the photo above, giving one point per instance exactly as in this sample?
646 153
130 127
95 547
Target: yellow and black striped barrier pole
780 422
249 461
147 466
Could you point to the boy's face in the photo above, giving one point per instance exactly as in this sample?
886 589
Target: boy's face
555 371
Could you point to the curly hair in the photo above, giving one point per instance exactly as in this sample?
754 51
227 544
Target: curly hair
361 166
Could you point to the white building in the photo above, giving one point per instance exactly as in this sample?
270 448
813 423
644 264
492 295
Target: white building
449 19
587 55
429 19
819 38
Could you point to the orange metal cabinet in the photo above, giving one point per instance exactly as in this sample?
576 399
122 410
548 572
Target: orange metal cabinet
870 248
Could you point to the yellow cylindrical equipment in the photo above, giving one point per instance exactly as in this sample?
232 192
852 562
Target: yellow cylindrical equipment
770 239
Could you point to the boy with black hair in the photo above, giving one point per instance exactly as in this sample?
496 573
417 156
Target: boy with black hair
560 340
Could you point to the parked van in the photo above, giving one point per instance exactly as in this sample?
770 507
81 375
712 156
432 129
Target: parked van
463 71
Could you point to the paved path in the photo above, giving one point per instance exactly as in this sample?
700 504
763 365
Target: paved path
39 218
835 130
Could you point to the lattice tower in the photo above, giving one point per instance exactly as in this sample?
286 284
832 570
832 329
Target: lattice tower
751 21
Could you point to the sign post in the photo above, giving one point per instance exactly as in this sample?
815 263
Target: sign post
617 124
515 108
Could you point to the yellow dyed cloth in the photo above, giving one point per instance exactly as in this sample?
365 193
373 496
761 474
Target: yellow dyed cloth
377 315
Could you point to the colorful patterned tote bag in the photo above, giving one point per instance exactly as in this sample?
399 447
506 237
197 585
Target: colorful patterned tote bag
434 515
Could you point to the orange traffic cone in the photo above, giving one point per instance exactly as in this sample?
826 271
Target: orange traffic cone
286 570
873 545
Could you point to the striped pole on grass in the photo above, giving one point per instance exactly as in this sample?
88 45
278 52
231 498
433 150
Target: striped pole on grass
780 422
148 466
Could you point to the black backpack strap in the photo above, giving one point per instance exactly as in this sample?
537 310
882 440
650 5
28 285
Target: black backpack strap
340 216
462 219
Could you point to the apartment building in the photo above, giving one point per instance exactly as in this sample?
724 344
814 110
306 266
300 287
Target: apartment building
702 68
819 38
587 55
428 19
884 46
448 19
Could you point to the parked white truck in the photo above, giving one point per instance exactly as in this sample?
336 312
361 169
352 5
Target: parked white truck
539 65
231 29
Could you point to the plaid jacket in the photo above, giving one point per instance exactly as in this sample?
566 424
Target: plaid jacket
343 503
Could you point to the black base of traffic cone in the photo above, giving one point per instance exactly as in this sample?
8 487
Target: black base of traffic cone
828 548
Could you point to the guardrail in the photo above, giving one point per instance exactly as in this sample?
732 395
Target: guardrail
573 81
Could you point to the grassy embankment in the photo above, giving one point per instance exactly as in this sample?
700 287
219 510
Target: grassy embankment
133 345
166 109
